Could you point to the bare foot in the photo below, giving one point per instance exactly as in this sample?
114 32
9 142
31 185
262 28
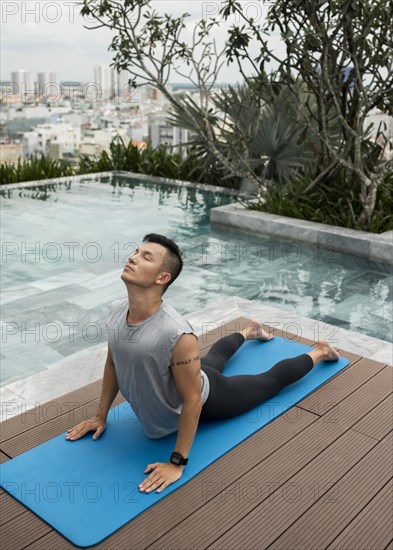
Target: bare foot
254 331
329 353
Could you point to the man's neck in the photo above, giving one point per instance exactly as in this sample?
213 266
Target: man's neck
140 309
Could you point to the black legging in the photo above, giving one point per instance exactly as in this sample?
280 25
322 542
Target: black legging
233 395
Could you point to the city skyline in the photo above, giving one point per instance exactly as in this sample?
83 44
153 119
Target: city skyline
50 37
36 76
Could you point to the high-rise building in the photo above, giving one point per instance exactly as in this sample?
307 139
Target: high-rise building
120 84
18 76
43 81
25 86
47 84
103 81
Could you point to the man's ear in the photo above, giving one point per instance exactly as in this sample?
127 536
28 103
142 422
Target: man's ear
164 278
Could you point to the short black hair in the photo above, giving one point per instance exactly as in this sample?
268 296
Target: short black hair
174 262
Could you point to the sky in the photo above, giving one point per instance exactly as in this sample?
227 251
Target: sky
45 35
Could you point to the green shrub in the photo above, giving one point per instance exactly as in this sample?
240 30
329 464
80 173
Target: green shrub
335 204
154 162
160 161
34 169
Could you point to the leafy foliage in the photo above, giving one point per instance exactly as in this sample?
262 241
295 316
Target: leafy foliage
34 169
334 204
156 162
263 130
153 162
267 128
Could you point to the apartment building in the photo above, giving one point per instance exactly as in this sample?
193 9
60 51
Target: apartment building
53 140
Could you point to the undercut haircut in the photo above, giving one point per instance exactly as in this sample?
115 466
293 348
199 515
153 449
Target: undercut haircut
173 262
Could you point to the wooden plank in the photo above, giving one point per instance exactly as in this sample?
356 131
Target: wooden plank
372 527
251 512
48 411
208 338
54 541
44 431
10 508
353 357
219 330
23 530
351 379
299 339
3 457
323 521
212 332
288 334
359 403
378 422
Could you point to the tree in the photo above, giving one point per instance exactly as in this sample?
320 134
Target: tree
343 51
339 51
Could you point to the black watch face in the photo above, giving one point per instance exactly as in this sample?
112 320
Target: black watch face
176 460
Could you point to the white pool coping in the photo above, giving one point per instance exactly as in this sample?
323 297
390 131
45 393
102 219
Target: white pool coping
373 246
96 176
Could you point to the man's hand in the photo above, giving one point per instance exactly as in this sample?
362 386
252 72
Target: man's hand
95 424
164 473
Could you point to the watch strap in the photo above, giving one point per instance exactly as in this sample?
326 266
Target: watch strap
178 459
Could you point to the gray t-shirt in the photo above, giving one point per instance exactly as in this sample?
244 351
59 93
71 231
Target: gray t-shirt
142 355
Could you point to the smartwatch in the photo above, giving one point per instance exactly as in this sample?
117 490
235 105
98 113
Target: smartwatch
178 459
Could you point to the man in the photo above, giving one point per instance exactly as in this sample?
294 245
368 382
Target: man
153 358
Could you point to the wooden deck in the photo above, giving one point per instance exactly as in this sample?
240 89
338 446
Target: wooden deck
319 476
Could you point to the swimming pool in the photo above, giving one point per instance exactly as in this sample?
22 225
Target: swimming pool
64 247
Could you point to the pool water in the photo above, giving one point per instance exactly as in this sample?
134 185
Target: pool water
64 248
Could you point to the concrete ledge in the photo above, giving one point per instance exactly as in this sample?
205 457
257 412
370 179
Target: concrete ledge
359 243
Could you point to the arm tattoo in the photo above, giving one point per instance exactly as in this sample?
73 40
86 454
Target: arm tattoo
186 362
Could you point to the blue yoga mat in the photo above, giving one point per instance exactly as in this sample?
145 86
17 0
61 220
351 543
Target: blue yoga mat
88 489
